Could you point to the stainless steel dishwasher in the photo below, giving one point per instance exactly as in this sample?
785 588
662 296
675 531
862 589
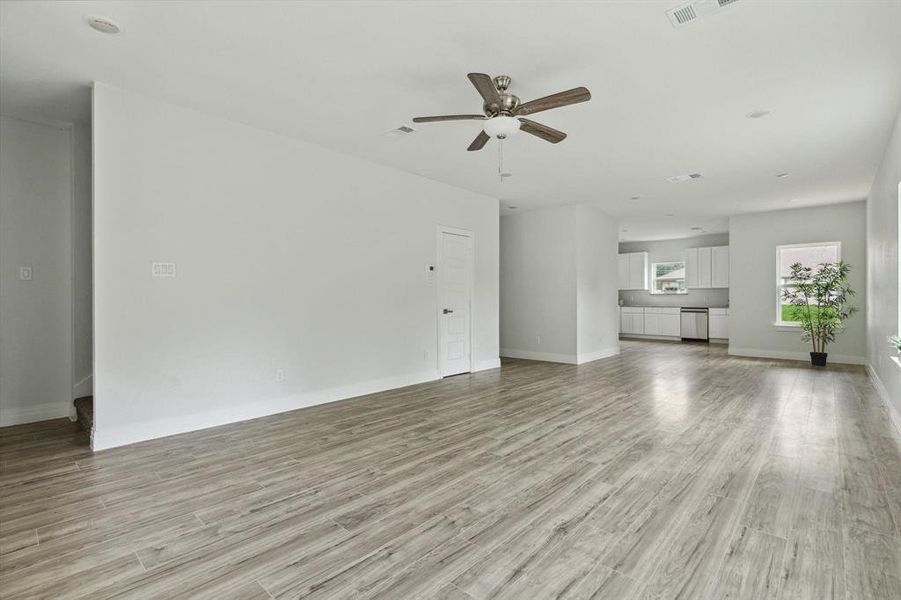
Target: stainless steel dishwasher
694 323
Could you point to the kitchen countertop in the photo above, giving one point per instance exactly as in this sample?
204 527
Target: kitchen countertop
666 306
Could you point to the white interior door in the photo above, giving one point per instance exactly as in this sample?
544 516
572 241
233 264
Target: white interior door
455 275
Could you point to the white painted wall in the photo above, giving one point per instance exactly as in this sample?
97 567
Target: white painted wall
35 316
882 268
538 285
752 278
289 257
82 276
558 285
672 251
596 285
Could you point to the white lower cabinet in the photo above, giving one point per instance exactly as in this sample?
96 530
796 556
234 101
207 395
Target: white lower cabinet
719 323
670 324
631 320
657 321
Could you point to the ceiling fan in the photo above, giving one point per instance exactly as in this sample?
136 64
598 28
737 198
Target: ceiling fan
504 115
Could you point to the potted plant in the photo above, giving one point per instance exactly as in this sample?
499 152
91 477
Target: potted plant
895 341
823 297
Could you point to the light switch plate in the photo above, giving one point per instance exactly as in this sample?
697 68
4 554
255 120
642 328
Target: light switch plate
163 269
25 274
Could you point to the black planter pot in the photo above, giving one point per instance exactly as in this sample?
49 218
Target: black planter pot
818 359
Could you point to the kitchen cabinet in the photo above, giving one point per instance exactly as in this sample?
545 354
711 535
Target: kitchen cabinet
707 268
631 320
705 272
691 268
632 271
719 323
670 324
720 267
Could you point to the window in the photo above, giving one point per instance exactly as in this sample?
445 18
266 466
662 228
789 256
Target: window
668 278
809 255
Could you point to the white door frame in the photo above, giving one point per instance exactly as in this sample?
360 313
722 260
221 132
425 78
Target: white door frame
442 229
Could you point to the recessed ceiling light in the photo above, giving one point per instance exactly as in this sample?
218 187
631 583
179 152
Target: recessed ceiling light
757 114
634 197
782 175
104 25
669 215
696 228
511 207
625 231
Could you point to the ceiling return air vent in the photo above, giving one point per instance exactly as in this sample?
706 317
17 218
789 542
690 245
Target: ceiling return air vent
689 12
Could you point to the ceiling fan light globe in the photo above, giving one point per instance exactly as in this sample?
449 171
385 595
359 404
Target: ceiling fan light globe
501 127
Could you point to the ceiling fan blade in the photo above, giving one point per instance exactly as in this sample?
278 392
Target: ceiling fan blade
485 87
479 142
573 96
543 131
449 118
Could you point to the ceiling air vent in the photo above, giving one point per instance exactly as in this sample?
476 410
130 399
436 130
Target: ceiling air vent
686 177
682 15
399 131
695 10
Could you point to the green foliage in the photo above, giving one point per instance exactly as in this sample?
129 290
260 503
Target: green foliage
819 300
895 341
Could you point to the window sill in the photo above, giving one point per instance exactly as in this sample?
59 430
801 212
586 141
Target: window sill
782 326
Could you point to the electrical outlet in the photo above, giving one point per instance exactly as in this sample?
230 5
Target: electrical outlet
25 274
538 339
162 269
279 374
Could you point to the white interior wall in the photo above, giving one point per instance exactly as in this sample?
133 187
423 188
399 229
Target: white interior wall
882 268
558 285
672 251
289 257
82 292
596 285
538 285
36 315
752 278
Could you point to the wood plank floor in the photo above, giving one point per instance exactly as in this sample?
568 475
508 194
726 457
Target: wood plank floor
671 471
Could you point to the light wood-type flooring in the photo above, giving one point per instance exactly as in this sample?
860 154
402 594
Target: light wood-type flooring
670 471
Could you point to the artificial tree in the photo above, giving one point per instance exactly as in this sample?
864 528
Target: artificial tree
823 297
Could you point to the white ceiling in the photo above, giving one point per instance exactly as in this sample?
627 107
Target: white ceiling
665 101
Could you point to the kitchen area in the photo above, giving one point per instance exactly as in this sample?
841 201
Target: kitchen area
676 290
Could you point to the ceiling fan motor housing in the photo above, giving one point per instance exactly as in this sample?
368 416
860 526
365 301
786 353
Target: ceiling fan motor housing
508 102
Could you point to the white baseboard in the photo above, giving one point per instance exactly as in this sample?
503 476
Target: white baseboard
486 365
788 355
149 430
17 415
641 336
569 359
598 354
883 395
85 387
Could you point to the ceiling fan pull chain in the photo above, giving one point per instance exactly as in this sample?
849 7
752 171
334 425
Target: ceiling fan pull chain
500 159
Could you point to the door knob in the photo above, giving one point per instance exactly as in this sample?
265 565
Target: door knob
447 310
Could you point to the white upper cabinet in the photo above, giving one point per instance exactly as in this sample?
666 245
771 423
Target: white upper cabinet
720 269
632 271
707 267
691 268
705 262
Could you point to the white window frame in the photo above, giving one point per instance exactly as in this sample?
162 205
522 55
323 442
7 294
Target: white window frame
652 275
793 325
